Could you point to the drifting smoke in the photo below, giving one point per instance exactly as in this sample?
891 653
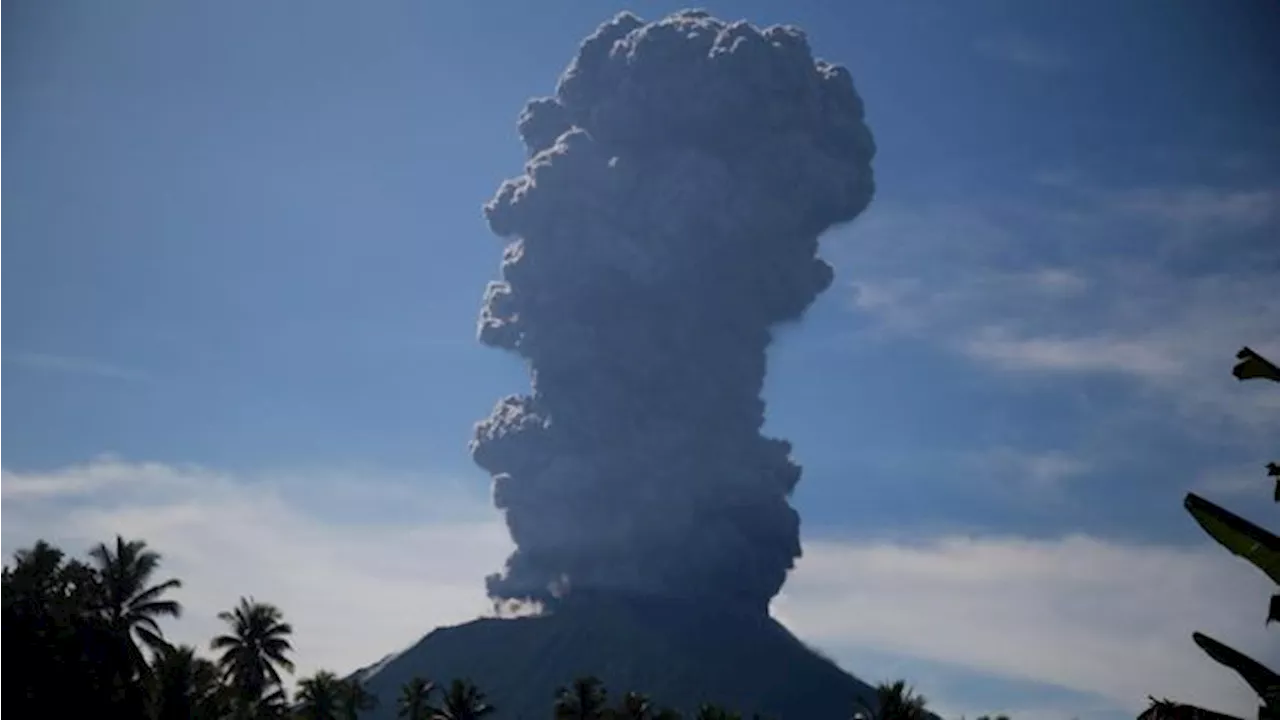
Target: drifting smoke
667 219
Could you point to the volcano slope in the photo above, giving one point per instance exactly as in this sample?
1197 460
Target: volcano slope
679 655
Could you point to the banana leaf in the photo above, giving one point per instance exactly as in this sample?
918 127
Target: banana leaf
1252 365
1241 537
1263 680
1169 710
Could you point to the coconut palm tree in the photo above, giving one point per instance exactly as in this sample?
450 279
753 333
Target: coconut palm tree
897 701
463 701
584 699
273 705
355 699
415 700
185 687
129 603
253 653
319 696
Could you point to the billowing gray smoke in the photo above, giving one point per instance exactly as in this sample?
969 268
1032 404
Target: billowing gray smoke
667 219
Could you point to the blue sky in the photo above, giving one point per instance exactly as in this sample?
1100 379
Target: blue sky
246 257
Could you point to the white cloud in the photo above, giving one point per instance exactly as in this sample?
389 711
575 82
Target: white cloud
353 591
1078 612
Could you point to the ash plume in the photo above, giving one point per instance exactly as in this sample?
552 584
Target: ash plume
667 219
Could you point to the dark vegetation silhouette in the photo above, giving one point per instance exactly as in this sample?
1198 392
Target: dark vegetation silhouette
896 700
1255 544
85 639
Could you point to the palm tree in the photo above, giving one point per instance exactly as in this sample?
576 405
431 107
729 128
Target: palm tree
634 706
129 604
415 700
253 654
355 699
185 687
898 701
463 701
319 696
585 699
273 705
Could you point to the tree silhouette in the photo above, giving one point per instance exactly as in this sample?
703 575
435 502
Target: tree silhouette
186 687
634 706
463 701
319 697
584 699
355 699
253 653
129 603
51 622
415 700
896 701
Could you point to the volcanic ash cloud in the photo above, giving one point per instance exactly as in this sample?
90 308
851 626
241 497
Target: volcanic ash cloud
667 219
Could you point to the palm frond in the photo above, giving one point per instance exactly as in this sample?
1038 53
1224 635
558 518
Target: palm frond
171 608
224 641
156 591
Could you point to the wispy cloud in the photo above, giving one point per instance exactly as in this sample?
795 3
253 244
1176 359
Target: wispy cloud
1105 619
1202 208
1078 354
1042 473
1024 51
74 366
1241 480
1121 283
